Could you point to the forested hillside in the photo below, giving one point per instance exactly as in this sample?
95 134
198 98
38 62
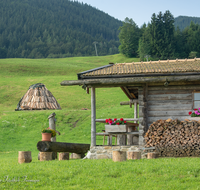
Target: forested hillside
55 28
184 21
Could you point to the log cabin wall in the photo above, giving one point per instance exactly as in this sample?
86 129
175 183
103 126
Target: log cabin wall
170 102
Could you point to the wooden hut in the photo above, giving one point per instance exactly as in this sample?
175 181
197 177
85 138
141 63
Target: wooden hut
164 89
38 97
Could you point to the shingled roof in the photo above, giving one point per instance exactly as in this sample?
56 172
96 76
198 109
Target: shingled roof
120 74
152 67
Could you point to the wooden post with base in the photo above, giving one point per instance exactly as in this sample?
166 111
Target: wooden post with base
52 125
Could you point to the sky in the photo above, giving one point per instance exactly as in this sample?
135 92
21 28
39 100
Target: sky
141 10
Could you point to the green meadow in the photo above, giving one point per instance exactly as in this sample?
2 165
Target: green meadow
21 130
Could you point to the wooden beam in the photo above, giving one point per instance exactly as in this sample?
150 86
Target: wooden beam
132 101
125 91
131 80
46 146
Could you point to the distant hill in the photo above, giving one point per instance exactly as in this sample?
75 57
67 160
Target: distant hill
55 28
183 21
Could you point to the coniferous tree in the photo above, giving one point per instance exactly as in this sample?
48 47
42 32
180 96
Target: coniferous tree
144 43
50 28
129 38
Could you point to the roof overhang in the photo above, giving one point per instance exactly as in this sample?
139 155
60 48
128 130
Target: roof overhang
115 81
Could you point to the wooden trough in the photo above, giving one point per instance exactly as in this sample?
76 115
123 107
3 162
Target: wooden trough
46 146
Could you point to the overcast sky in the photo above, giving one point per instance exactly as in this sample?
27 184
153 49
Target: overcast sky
141 10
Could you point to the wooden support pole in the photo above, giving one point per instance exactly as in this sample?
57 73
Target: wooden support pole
121 139
135 111
109 140
52 125
130 137
93 117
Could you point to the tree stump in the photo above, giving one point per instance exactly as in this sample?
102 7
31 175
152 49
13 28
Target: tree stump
45 156
152 155
133 155
64 156
24 157
77 156
119 156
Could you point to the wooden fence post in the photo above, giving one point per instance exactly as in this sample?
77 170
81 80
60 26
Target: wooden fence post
52 125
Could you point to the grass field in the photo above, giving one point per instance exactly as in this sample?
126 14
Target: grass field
21 130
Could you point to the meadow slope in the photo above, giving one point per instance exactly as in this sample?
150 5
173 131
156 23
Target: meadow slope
21 130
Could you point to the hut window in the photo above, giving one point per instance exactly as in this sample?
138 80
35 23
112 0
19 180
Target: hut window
196 100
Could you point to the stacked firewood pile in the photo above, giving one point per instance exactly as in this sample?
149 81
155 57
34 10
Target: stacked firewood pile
174 138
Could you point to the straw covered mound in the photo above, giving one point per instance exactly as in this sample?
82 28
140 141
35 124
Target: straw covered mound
38 97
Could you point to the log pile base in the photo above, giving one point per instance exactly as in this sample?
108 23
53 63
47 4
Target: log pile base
174 138
24 157
152 155
64 156
119 156
45 156
77 156
131 155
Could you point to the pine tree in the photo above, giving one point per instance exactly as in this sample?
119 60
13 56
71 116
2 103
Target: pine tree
129 38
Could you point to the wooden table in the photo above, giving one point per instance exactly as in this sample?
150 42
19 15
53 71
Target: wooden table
111 134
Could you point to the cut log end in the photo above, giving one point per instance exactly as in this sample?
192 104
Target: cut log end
119 156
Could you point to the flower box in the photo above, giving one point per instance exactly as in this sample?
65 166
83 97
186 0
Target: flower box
116 128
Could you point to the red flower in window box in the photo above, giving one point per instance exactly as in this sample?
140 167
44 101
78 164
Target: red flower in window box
115 121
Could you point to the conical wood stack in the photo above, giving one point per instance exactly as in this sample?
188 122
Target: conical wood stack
38 97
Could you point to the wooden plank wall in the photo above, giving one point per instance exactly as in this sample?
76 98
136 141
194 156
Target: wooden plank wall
169 102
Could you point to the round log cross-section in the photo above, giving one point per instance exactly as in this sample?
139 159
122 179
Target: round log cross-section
45 156
77 156
64 156
133 155
119 156
24 157
152 155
